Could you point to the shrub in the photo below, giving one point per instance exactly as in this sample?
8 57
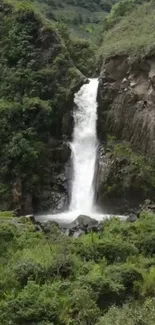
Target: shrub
82 307
131 314
27 270
115 251
33 304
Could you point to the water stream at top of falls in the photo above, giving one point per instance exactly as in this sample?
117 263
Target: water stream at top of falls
84 148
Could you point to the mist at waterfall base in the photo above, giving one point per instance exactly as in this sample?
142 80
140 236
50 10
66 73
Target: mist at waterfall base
84 148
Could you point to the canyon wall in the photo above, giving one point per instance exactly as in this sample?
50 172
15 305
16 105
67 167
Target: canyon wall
126 112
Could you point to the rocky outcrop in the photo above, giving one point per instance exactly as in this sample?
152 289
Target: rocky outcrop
54 195
119 192
148 206
126 102
126 110
125 178
84 222
81 225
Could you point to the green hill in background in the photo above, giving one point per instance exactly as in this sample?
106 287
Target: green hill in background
129 29
81 16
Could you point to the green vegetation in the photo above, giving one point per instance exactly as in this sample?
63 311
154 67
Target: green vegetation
49 278
129 30
132 174
46 278
81 16
37 81
79 50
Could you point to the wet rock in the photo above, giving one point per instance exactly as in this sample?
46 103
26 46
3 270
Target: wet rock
82 224
78 233
50 227
27 204
54 196
31 218
148 206
83 221
38 228
60 151
25 219
132 218
17 196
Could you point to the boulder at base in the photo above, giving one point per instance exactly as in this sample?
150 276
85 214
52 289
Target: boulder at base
83 223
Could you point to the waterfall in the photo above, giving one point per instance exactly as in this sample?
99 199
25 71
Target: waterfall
84 155
84 148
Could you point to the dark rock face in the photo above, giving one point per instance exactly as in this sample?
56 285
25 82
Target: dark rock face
126 99
118 192
52 192
54 195
148 206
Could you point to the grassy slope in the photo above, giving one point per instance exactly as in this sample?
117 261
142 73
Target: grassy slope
133 35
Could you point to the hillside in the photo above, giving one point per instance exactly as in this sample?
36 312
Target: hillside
131 33
81 16
126 105
37 82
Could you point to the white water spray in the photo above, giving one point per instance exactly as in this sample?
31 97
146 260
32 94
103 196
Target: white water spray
84 148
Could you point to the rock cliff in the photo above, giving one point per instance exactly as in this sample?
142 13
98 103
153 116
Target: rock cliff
126 111
126 102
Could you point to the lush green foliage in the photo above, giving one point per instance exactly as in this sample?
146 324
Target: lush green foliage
130 29
121 9
131 314
81 16
49 278
79 50
37 78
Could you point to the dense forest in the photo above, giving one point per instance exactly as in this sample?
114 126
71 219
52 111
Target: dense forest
82 17
48 49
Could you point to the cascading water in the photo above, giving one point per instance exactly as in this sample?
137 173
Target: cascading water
84 155
84 148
